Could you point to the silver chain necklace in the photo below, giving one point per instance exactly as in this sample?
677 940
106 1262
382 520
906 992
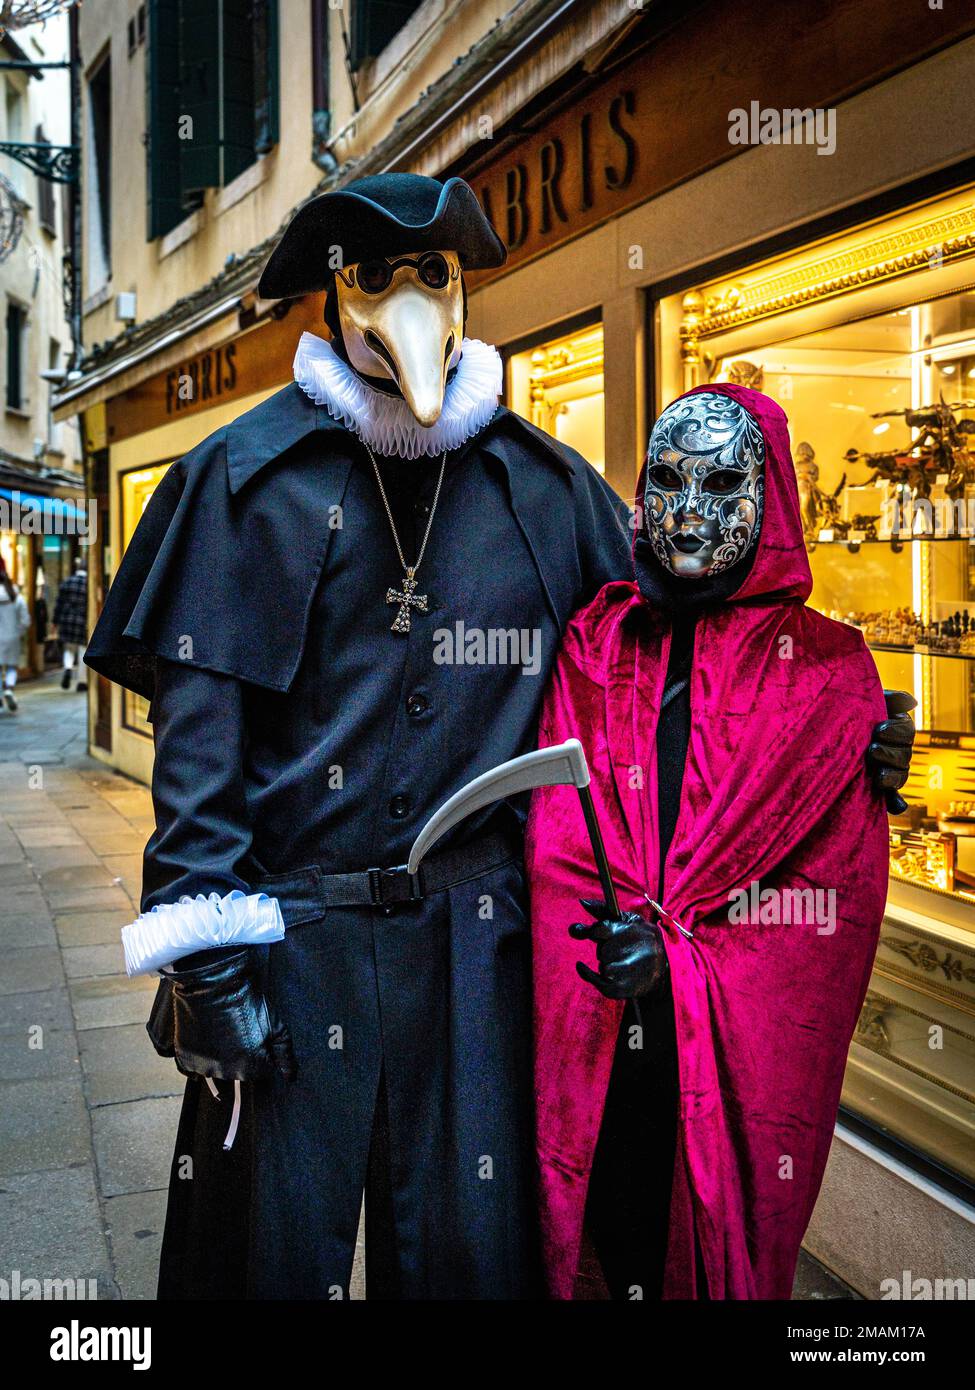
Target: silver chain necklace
406 598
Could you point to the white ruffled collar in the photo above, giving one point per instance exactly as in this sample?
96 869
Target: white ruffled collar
385 422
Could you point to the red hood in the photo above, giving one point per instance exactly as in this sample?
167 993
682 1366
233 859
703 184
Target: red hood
774 795
781 568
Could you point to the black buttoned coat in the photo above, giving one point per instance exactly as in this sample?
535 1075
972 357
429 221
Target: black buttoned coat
296 735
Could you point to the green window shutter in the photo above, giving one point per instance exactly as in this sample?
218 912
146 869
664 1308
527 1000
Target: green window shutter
237 134
321 115
15 371
213 98
375 22
163 206
266 68
45 192
199 62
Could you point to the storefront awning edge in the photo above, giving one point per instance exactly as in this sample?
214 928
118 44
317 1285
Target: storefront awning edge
103 382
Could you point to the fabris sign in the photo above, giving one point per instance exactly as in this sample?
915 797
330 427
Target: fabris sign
576 173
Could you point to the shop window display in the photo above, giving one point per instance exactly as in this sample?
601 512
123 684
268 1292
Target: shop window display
879 387
136 487
881 421
558 385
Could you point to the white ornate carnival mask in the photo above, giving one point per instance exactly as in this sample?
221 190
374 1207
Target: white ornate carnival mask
705 484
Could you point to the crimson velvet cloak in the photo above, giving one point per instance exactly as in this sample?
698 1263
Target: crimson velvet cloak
775 794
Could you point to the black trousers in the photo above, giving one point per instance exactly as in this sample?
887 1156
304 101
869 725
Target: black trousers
429 1010
628 1206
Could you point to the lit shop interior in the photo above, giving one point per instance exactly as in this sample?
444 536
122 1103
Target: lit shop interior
136 486
868 343
867 340
558 385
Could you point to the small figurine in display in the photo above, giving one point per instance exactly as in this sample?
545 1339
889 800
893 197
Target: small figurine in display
818 510
940 449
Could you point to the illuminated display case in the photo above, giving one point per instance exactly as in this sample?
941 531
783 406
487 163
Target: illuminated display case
868 342
558 385
136 486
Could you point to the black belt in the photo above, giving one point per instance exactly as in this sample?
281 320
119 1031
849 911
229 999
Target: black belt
302 893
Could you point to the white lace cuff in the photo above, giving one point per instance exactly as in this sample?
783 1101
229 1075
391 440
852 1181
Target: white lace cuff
173 930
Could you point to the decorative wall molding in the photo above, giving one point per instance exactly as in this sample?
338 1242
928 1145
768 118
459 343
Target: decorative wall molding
926 245
932 961
873 1032
932 964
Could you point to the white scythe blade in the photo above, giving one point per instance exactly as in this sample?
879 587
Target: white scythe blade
562 765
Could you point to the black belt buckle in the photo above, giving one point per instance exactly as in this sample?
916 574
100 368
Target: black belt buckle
383 880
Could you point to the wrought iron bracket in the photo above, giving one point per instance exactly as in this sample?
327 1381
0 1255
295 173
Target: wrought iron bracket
56 163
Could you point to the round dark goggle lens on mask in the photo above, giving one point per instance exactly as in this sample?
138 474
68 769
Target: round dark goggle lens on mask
433 270
373 276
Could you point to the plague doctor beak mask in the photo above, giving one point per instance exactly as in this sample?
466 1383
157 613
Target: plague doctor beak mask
402 319
391 251
704 485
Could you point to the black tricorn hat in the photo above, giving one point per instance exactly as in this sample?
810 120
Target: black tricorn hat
380 215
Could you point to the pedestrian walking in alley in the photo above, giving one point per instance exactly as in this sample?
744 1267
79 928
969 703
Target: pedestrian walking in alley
71 624
14 622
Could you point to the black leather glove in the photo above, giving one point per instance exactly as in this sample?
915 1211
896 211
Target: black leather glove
630 951
213 1018
889 754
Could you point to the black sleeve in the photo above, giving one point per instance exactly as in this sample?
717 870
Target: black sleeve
605 537
202 829
112 651
221 574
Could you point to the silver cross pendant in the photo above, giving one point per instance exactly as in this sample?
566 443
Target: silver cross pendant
406 599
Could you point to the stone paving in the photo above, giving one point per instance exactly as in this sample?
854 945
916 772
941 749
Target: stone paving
87 1110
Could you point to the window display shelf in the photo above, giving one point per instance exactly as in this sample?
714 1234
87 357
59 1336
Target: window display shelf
895 543
920 651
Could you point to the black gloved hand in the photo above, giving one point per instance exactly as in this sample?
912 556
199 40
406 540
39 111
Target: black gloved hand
889 754
632 959
213 1018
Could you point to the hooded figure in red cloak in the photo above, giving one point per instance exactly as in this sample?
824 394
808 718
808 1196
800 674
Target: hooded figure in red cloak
688 1071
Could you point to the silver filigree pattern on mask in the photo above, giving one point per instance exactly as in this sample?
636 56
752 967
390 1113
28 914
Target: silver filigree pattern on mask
705 486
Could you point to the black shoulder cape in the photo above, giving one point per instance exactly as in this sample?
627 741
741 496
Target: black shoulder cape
223 566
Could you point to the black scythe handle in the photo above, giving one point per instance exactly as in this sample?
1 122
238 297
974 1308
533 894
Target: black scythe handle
599 850
602 865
